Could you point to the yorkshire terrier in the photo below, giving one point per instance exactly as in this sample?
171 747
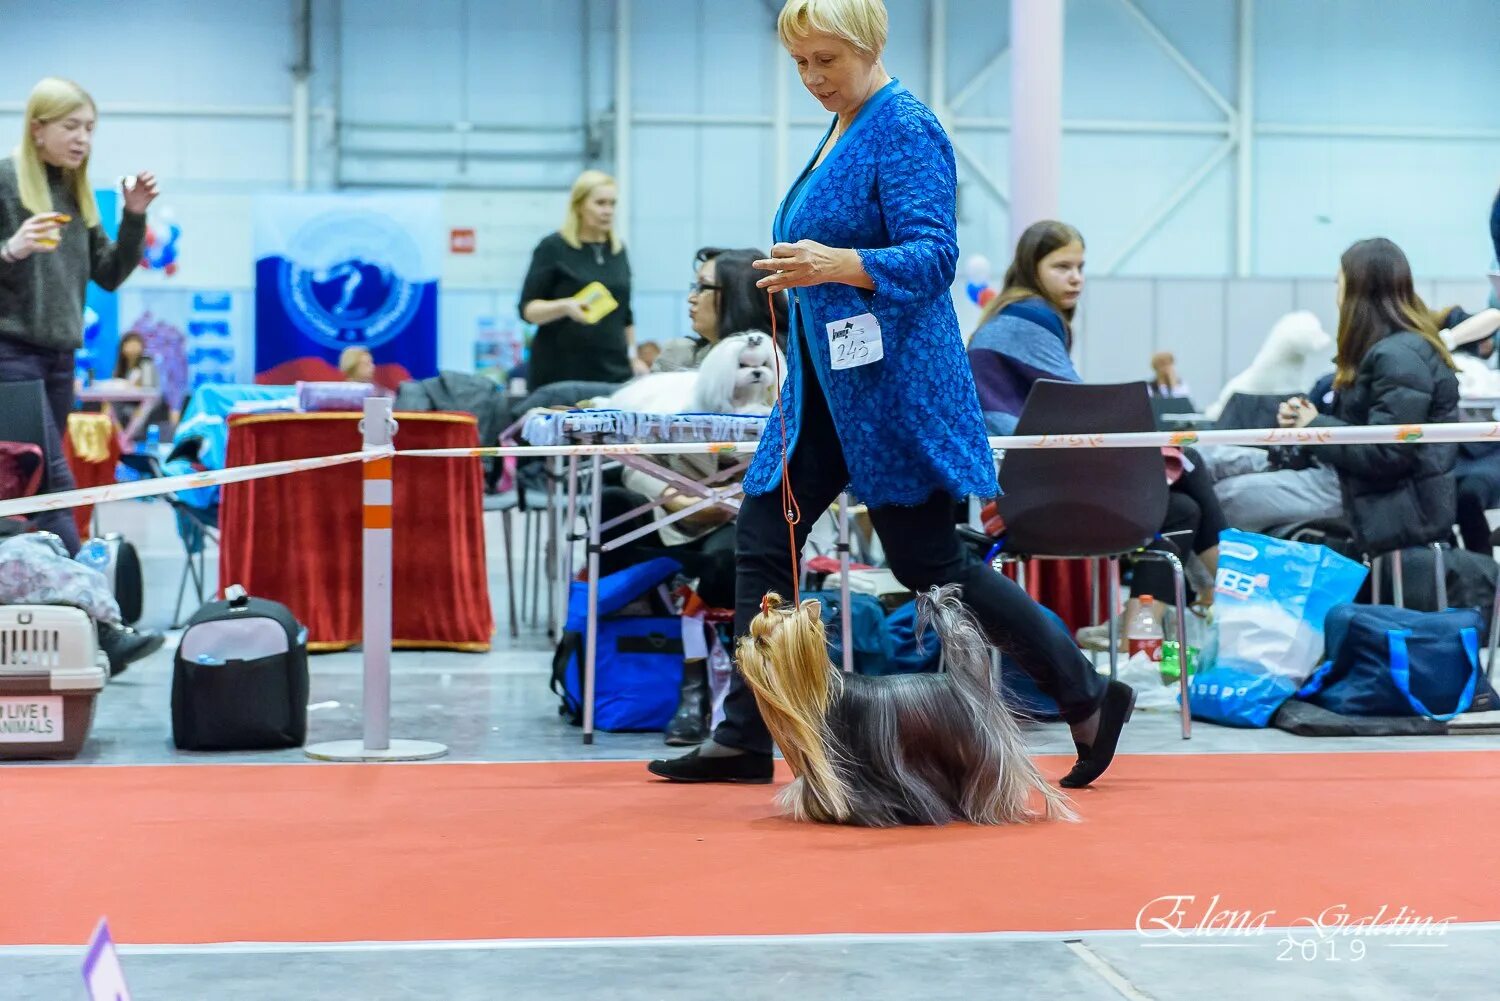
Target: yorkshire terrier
893 750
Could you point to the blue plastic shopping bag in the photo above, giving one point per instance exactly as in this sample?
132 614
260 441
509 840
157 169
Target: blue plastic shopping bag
1271 598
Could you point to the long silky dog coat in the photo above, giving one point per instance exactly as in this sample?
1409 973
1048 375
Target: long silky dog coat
893 750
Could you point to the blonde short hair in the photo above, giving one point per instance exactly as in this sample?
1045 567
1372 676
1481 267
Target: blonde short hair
351 357
861 23
588 182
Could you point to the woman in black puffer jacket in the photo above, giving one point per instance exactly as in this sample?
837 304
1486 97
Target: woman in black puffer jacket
1391 369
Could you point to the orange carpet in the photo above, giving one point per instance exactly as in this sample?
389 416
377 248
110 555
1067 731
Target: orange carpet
337 852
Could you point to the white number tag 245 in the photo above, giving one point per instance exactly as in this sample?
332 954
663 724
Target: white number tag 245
855 341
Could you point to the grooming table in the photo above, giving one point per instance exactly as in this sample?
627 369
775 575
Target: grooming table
717 485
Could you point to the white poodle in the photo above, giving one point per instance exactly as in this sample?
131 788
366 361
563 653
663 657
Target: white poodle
1278 364
739 376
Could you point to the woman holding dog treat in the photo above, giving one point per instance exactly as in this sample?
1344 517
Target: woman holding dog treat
877 394
54 244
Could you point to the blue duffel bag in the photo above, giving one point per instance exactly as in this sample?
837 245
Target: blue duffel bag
638 669
1388 661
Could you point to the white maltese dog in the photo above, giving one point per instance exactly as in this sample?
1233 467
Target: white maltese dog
739 376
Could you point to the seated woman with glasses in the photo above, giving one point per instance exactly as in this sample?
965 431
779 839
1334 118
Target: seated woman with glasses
722 300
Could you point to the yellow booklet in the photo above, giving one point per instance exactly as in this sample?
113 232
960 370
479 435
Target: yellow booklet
596 301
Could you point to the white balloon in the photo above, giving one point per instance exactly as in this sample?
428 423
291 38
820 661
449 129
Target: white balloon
978 269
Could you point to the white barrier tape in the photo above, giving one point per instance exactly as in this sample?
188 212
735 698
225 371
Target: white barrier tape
1380 434
619 448
172 484
1385 434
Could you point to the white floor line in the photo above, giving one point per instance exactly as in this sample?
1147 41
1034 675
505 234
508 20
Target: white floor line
644 942
1108 973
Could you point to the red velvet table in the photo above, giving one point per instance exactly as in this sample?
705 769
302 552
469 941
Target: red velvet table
298 539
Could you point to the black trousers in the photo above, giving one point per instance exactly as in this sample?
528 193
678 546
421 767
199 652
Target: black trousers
924 551
21 362
1478 478
1193 523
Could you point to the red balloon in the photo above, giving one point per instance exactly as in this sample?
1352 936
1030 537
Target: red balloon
986 296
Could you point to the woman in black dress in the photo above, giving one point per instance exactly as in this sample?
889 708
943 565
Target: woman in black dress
574 342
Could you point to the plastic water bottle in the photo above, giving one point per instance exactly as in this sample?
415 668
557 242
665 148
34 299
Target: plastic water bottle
152 444
94 553
1143 633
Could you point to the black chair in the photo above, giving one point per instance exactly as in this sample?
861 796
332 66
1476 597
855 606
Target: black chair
1162 406
25 417
196 527
1089 503
1250 411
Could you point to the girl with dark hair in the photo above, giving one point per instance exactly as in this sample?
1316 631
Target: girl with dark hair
133 365
1391 368
722 300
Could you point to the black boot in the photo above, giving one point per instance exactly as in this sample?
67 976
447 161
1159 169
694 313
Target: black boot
123 645
690 724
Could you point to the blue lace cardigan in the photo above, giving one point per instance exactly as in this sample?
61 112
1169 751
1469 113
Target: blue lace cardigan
910 423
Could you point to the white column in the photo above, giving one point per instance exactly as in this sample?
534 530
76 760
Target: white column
622 117
301 98
937 61
1036 55
781 75
1244 216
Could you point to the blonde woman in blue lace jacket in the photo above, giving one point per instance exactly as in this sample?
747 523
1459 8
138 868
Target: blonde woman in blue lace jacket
879 395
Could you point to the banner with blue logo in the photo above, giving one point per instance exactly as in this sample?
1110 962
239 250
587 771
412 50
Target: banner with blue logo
340 271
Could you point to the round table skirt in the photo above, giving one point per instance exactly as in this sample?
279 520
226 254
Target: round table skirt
298 539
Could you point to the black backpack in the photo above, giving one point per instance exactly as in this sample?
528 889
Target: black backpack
240 679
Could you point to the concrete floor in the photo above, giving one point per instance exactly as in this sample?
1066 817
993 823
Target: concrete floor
497 707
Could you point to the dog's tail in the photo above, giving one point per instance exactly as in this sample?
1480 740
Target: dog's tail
967 658
784 660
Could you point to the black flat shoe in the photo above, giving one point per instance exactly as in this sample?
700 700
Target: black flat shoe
694 767
1093 759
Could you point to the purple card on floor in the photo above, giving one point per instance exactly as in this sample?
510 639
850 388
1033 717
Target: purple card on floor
101 968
